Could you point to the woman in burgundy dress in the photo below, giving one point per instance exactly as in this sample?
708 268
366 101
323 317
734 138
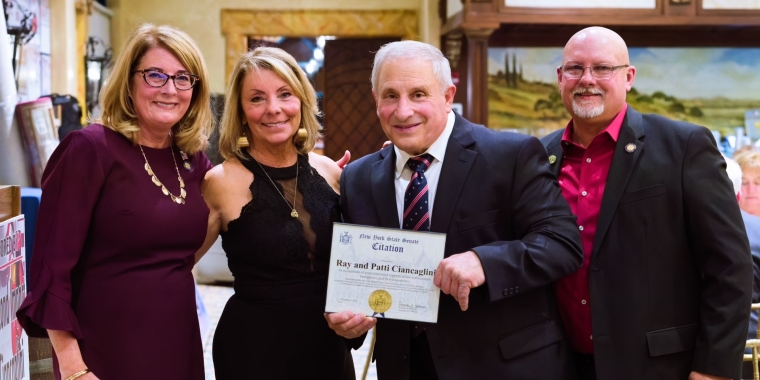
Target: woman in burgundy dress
275 202
121 219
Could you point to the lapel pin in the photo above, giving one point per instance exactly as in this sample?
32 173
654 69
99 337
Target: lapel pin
552 159
630 148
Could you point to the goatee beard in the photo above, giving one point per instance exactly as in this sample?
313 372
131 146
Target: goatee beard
588 111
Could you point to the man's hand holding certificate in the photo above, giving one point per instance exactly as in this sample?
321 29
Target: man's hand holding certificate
386 273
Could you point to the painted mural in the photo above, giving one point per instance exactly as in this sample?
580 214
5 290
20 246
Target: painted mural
713 87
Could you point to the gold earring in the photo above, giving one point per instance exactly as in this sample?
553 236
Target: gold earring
302 133
243 140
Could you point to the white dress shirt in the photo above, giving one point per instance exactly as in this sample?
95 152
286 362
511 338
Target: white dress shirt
432 174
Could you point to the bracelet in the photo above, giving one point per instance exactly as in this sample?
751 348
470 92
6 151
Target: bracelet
78 374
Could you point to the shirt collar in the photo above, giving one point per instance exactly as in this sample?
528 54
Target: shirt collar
613 130
437 150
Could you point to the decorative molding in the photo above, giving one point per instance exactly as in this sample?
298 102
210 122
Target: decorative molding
584 4
84 6
238 25
96 7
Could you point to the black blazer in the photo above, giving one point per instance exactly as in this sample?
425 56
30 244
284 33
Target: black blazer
671 274
495 196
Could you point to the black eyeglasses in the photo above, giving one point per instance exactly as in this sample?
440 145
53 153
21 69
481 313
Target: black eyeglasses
597 71
155 78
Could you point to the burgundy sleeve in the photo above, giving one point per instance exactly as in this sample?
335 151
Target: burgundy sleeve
71 185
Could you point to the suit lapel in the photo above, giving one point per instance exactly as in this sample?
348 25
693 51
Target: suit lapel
457 163
554 148
383 188
623 164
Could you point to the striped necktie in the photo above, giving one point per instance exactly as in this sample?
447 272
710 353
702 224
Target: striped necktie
416 215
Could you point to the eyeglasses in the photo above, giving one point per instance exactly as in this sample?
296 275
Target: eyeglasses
155 78
597 71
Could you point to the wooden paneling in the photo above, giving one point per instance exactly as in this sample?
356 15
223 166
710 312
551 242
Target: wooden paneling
476 106
631 12
10 202
538 35
666 13
668 24
350 120
40 359
237 24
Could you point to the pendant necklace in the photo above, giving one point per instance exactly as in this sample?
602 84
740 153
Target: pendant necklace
293 212
182 193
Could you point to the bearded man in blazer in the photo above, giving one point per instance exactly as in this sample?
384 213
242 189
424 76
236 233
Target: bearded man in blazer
509 232
665 287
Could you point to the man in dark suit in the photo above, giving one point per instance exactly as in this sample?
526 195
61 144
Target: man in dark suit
509 232
665 287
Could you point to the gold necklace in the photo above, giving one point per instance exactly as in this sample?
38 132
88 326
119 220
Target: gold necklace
177 199
293 212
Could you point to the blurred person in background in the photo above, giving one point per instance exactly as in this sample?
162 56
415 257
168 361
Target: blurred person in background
274 203
752 225
749 161
121 219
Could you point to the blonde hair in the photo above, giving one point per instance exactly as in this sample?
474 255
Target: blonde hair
748 160
118 111
233 127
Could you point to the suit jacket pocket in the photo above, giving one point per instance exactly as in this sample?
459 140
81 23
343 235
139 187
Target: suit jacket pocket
672 340
479 220
645 193
529 339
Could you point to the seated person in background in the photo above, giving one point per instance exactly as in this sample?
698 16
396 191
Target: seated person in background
751 223
749 161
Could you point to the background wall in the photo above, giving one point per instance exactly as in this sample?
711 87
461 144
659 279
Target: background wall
731 4
201 20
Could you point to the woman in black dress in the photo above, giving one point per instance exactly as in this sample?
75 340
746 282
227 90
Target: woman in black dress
274 203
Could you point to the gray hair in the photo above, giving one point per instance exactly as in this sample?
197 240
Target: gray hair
734 172
413 50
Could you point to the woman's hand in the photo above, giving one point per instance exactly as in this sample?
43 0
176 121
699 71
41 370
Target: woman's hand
69 357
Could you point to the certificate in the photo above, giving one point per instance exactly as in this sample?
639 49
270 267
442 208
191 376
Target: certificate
384 272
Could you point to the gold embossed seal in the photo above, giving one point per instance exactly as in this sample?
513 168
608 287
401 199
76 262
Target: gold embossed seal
380 301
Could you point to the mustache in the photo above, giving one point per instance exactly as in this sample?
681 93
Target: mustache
588 91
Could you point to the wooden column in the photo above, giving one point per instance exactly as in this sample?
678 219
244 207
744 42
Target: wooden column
476 109
237 45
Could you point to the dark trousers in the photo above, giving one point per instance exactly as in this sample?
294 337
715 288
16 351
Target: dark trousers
421 361
584 365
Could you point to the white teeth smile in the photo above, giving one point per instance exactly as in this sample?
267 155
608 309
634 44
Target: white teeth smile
167 105
273 124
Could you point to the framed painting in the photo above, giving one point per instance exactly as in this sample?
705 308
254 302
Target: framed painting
713 87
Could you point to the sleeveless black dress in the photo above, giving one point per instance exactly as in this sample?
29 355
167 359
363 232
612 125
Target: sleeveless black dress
273 327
